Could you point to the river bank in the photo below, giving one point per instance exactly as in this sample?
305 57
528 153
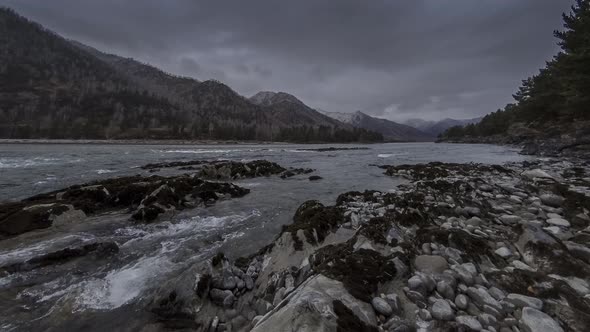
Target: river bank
111 270
461 247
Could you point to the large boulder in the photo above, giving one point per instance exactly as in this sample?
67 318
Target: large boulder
311 308
430 264
533 320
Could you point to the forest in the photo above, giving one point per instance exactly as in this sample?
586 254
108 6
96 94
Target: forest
557 97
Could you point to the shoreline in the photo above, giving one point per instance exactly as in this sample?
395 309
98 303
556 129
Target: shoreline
458 245
179 142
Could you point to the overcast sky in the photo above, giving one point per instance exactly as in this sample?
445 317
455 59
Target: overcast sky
395 59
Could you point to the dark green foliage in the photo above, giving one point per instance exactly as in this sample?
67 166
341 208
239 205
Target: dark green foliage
217 259
314 219
558 95
347 321
360 271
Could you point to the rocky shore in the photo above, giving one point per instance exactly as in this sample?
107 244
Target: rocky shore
461 247
144 198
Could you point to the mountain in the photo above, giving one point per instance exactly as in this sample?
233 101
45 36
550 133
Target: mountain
288 108
390 130
435 128
51 87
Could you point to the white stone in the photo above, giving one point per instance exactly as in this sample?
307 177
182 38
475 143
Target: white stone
533 320
503 252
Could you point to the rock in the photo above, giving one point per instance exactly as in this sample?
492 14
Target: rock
470 322
496 293
424 314
503 252
461 301
256 319
394 302
524 301
249 282
226 282
474 221
430 264
578 250
428 282
445 289
552 200
533 320
464 274
381 306
315 178
441 310
510 219
415 283
279 295
536 173
558 222
95 250
487 320
223 298
481 297
306 308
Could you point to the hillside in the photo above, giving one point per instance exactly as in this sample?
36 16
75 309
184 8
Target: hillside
390 130
550 113
51 87
435 128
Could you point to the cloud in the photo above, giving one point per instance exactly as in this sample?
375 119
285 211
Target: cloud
424 58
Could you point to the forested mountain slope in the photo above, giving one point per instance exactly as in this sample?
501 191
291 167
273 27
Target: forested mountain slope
51 87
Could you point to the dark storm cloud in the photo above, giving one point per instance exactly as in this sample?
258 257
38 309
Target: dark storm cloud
396 59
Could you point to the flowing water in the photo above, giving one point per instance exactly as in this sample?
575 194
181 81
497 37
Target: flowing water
97 295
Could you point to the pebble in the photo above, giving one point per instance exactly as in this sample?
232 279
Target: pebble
470 322
558 222
441 310
510 219
430 264
381 306
524 301
503 252
552 200
461 301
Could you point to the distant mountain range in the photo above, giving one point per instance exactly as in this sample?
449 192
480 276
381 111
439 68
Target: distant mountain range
51 87
390 130
435 128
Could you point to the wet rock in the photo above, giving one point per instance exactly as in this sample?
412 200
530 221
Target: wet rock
464 274
441 310
533 320
394 302
224 298
424 314
381 306
461 301
470 322
445 289
510 219
552 200
558 222
524 301
96 250
536 174
481 297
503 252
430 264
315 178
18 218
